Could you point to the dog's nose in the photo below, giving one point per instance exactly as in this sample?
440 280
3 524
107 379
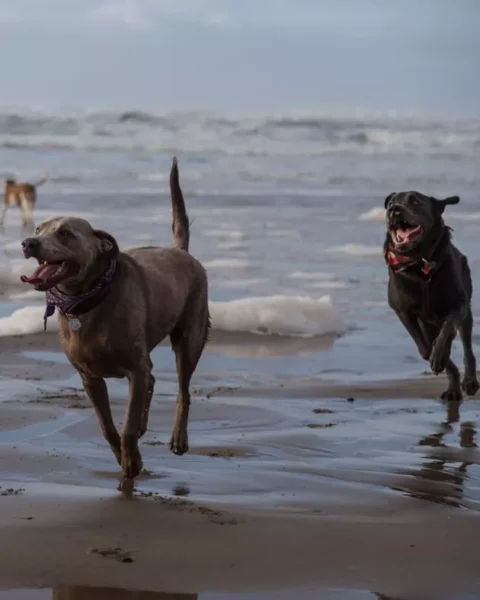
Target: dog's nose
30 246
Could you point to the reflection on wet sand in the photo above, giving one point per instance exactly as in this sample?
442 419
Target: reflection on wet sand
69 592
249 345
437 480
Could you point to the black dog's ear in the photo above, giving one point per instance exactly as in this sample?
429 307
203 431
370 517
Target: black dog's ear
443 203
388 198
108 242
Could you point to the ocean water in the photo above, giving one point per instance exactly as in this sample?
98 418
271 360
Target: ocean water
287 214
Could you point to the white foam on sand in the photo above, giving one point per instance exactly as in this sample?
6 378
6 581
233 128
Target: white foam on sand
278 315
330 285
311 276
297 316
359 250
374 214
227 263
26 320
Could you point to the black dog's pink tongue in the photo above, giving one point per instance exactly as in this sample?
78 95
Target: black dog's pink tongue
40 275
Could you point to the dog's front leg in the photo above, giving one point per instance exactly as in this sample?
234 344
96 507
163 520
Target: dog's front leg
411 324
96 390
442 344
139 390
454 391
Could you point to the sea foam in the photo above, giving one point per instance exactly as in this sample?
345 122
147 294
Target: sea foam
297 316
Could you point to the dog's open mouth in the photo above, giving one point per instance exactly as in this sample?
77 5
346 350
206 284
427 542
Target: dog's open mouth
403 233
49 274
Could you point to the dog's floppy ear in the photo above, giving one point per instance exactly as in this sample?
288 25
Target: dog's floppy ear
388 198
444 203
108 242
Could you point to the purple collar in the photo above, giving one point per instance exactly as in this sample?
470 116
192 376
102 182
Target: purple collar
72 306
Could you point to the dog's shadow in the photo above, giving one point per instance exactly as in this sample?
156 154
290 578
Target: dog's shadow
441 476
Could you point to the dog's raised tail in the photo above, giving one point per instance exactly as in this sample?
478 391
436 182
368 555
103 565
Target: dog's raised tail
41 181
180 225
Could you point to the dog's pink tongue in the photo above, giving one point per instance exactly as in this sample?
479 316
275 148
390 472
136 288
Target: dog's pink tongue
41 274
404 234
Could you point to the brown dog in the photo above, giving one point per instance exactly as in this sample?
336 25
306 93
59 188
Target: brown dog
23 196
116 307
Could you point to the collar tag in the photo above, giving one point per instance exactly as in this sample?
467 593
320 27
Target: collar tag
428 266
75 324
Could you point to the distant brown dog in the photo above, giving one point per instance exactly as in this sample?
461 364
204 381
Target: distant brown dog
23 196
116 307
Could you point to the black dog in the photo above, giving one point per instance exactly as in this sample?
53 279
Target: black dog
430 286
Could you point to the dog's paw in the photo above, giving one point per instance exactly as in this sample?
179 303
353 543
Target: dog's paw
179 442
132 463
438 358
470 385
452 394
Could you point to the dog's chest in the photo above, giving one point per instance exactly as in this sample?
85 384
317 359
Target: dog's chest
425 298
97 356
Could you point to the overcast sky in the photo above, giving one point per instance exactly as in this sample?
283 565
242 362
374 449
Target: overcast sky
406 55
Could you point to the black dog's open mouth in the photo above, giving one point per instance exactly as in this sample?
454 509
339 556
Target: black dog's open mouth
403 232
48 274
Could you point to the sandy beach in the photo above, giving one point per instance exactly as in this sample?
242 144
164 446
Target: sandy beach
291 487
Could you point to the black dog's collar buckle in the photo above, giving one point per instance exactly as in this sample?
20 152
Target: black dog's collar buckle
428 266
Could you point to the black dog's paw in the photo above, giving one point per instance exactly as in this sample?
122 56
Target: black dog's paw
438 358
452 394
470 385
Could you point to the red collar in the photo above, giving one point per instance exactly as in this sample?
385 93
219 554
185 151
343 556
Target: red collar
400 263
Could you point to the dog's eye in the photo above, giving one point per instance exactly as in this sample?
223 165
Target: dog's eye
65 233
37 230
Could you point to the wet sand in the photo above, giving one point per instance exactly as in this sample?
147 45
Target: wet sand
291 484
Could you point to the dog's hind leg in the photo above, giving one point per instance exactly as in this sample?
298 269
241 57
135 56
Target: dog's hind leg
146 408
454 391
96 390
188 344
27 212
470 383
3 213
